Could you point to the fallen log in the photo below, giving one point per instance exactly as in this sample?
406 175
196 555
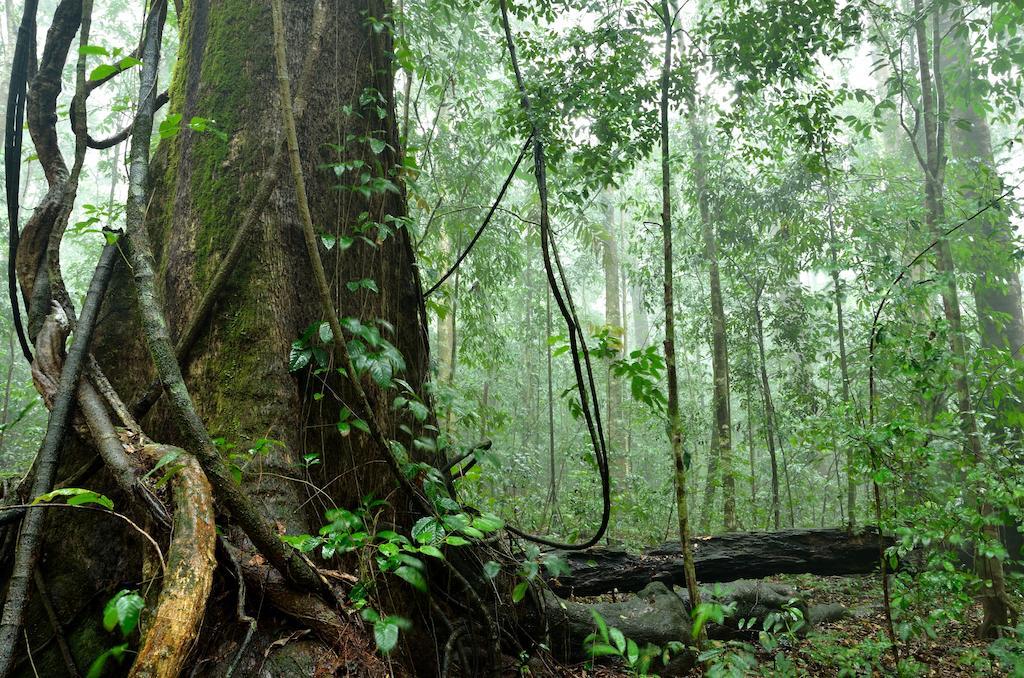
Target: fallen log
657 616
727 557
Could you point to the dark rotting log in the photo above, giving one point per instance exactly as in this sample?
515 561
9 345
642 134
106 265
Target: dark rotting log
727 557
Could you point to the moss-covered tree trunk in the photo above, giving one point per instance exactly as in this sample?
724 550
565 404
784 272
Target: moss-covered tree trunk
279 427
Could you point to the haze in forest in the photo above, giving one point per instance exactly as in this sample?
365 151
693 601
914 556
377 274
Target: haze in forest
524 337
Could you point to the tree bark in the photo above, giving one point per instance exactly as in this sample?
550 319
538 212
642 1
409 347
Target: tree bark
844 372
997 288
722 439
613 322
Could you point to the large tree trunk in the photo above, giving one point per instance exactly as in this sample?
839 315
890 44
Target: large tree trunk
992 260
238 373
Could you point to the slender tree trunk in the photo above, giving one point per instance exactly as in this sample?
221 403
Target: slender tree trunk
837 286
613 320
769 409
453 348
750 451
722 440
641 325
708 510
785 473
6 408
675 431
446 326
552 470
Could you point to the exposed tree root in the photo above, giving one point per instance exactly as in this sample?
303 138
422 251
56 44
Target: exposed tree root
189 575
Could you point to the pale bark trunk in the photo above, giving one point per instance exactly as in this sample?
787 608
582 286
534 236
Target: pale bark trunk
641 325
613 320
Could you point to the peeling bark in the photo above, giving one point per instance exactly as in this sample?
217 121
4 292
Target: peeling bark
179 612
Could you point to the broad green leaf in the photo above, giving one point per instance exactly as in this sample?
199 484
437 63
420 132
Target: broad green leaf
77 496
413 576
122 611
385 634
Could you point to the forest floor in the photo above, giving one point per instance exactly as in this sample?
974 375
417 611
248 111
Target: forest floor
851 646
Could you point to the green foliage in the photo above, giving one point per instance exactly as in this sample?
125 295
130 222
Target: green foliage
608 641
76 496
122 612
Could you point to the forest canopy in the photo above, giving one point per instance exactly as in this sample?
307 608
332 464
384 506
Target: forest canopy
517 337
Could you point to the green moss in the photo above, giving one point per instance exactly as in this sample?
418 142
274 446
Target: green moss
223 174
219 178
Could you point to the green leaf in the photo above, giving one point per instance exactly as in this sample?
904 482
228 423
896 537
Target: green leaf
519 592
325 333
602 627
413 576
617 638
163 461
299 356
93 50
488 522
77 496
100 663
377 146
385 634
426 530
170 126
429 550
102 71
122 611
128 62
301 542
456 540
602 650
364 284
418 409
